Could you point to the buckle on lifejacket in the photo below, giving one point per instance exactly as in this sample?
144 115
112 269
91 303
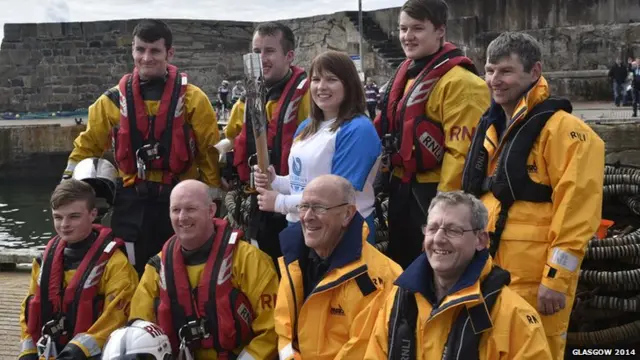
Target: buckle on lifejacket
194 330
389 147
56 327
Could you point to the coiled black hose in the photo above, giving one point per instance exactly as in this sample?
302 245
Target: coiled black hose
631 238
624 334
612 252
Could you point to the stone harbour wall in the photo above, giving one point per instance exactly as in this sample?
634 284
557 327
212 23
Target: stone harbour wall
63 67
35 150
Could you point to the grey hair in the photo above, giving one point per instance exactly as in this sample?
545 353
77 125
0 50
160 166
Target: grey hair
525 46
347 190
477 210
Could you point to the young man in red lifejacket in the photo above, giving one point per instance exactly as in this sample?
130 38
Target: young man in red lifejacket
211 292
159 127
429 113
287 106
80 287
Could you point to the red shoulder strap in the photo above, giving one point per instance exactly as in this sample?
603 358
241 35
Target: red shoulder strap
165 103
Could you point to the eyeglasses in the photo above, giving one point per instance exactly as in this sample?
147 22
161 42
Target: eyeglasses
449 232
317 209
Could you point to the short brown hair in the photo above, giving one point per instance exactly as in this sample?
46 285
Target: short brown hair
287 41
436 11
72 190
341 65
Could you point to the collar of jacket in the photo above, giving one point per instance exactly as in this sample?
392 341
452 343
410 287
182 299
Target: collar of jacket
418 278
537 93
275 91
74 253
348 250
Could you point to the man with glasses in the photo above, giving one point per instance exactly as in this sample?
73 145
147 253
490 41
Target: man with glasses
465 307
333 282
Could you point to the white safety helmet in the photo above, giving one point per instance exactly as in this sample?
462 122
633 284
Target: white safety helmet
141 340
100 174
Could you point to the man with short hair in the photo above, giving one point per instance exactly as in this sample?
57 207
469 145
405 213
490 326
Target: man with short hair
333 281
287 105
428 115
80 287
210 292
159 127
452 302
540 172
618 75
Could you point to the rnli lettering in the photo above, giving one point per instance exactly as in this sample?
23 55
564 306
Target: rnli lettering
461 133
406 350
154 330
532 168
336 310
431 144
580 136
268 301
377 281
532 319
244 313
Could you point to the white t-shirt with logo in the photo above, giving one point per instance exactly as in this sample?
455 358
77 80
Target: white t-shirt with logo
352 151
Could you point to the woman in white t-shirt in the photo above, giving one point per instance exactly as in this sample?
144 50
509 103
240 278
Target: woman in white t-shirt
336 139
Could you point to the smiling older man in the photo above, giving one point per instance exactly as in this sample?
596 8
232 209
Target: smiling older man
333 281
210 292
452 285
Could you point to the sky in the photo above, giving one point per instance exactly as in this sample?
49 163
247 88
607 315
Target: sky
38 11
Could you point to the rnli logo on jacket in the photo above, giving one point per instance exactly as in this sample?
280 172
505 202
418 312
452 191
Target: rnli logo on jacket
431 145
421 92
244 314
338 311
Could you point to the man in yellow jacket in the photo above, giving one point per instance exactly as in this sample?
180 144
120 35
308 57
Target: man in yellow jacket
429 113
212 293
159 127
539 170
333 282
452 302
80 287
287 106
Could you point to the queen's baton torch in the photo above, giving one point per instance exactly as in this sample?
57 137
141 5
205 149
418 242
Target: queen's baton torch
254 107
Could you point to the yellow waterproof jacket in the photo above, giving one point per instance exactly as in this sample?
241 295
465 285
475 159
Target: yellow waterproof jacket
514 331
336 319
104 114
457 102
117 285
538 237
236 117
252 273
